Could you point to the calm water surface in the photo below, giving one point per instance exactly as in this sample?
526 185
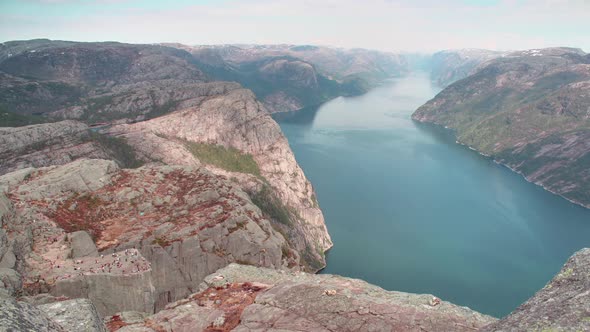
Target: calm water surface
410 210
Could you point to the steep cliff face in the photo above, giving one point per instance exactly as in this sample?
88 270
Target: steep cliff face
238 121
528 110
159 230
289 77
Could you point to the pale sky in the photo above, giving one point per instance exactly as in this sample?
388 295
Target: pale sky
390 25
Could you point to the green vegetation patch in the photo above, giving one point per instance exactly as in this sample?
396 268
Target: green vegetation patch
163 109
271 206
565 274
162 242
99 103
10 119
229 159
309 260
314 201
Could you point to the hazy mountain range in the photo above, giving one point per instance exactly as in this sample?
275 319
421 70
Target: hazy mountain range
133 176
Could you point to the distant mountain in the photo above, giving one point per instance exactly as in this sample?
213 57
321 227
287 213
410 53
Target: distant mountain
105 82
452 65
529 110
289 77
97 82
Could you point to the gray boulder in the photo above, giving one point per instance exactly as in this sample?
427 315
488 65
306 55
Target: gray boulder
75 315
10 280
111 293
82 245
7 258
19 316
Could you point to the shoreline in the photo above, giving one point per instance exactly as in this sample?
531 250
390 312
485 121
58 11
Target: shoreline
450 130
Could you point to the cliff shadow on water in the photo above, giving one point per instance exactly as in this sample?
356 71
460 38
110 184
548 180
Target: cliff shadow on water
303 117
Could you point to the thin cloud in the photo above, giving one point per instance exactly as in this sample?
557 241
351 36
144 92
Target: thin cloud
377 24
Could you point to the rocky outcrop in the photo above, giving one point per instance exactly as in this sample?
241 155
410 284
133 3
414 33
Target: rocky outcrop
159 231
245 298
46 144
57 144
529 111
82 245
237 120
562 305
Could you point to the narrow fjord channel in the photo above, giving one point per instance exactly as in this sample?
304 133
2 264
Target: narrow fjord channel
410 210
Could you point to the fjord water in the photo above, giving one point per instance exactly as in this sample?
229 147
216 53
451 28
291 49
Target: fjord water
410 210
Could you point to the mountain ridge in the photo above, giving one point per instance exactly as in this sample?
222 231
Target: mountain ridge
161 177
527 110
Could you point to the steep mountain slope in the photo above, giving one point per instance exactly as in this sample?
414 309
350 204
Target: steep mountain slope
449 66
289 77
528 110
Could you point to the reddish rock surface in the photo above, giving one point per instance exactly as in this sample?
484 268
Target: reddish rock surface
246 298
158 230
